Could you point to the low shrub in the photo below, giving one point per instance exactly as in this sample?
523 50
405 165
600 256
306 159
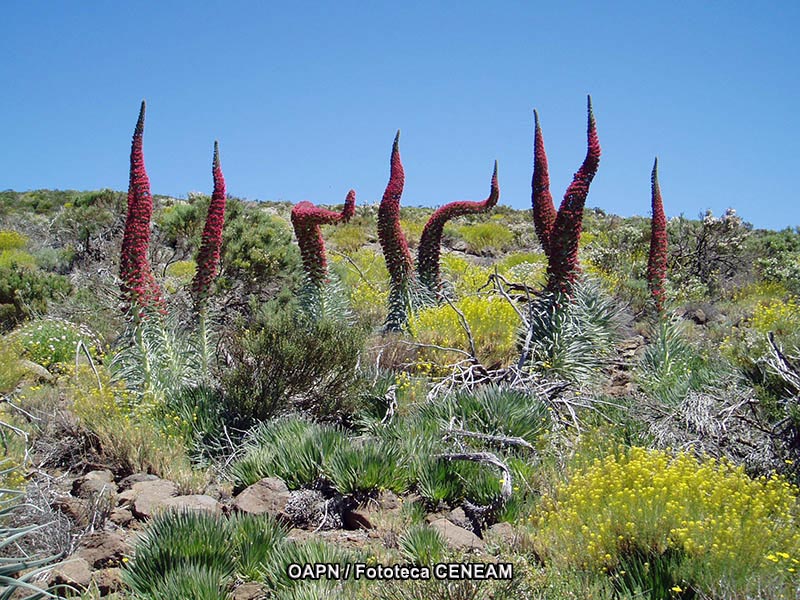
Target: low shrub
423 545
638 504
483 237
49 342
492 322
285 362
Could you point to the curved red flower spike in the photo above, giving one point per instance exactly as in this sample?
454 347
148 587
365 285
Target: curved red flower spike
306 220
563 267
390 235
139 287
211 241
544 211
430 242
657 259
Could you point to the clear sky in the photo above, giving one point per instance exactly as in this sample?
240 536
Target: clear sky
305 98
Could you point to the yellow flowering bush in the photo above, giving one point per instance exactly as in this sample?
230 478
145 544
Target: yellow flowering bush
491 319
12 240
15 257
366 279
125 431
649 502
465 277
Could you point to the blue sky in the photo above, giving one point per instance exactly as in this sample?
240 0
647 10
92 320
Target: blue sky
305 98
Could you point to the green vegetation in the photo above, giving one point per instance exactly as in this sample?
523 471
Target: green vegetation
581 398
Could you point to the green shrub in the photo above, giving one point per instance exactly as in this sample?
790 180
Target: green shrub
11 371
12 240
492 322
25 292
482 237
255 539
49 342
284 362
348 237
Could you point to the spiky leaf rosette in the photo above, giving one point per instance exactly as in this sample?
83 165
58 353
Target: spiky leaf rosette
139 287
393 242
657 259
211 241
544 211
431 240
306 220
563 268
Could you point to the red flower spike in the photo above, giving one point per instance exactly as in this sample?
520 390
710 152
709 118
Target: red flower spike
393 241
430 242
563 267
657 259
211 241
139 287
544 212
306 220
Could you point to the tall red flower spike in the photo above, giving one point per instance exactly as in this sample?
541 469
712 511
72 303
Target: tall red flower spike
563 267
139 287
211 241
544 212
430 242
393 241
657 259
306 220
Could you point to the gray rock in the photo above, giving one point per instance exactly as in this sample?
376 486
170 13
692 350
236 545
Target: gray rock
457 537
269 495
121 517
103 549
149 496
249 591
108 581
127 482
96 486
502 532
196 502
458 517
75 509
74 572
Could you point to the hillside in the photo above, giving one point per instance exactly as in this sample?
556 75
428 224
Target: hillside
601 447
